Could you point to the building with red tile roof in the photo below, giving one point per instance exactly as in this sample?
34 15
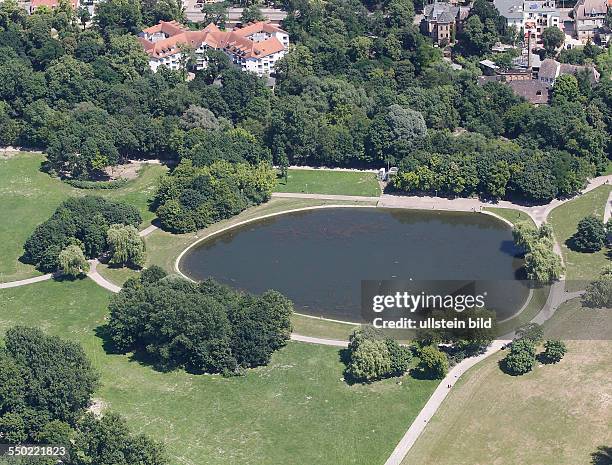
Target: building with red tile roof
256 47
51 4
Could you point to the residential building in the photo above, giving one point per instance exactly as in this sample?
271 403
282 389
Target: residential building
589 18
51 4
531 17
256 47
535 92
442 21
551 69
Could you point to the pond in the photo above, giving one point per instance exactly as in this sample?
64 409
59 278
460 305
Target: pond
319 257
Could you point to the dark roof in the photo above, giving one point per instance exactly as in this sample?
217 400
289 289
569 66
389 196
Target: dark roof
533 91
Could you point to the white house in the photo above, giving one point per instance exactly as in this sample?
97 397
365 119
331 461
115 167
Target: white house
529 16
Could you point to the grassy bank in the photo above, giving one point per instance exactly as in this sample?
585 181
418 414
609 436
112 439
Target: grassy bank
581 266
296 410
330 182
29 197
556 415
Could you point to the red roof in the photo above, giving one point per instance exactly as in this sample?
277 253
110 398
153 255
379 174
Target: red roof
50 3
235 41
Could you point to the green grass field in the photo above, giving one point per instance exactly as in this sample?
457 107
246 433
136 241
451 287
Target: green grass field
556 415
514 216
297 410
564 219
30 196
330 182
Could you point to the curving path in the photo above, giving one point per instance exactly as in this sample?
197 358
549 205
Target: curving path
23 282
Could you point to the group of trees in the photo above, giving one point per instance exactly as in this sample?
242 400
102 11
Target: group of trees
371 356
85 227
542 264
522 356
206 327
46 385
192 197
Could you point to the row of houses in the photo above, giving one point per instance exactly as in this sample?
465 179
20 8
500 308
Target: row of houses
255 47
586 21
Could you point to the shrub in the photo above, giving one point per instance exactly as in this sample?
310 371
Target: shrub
554 351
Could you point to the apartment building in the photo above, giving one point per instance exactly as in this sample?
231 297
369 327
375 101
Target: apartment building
531 17
255 48
589 18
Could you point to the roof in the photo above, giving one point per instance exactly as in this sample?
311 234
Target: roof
441 12
584 9
533 91
259 26
50 3
551 69
236 41
510 9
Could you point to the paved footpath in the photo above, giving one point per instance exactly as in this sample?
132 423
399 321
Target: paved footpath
23 282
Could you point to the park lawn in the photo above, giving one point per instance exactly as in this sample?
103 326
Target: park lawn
556 415
296 410
316 327
30 196
564 219
608 170
330 182
512 215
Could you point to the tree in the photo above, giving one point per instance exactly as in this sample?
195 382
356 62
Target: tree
565 89
215 13
108 441
552 39
126 247
60 378
370 360
72 261
598 293
532 332
590 236
433 362
521 358
554 351
118 17
83 15
542 263
251 14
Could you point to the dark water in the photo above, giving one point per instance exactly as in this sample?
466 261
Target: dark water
318 258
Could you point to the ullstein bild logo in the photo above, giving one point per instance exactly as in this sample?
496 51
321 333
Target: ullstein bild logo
398 304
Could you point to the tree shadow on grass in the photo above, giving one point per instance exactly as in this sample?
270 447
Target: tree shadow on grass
602 456
422 374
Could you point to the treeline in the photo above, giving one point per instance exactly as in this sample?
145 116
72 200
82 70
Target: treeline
361 87
192 197
203 328
46 385
84 222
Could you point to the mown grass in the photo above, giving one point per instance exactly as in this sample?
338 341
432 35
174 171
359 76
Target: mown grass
29 197
512 215
297 410
329 182
580 266
556 415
